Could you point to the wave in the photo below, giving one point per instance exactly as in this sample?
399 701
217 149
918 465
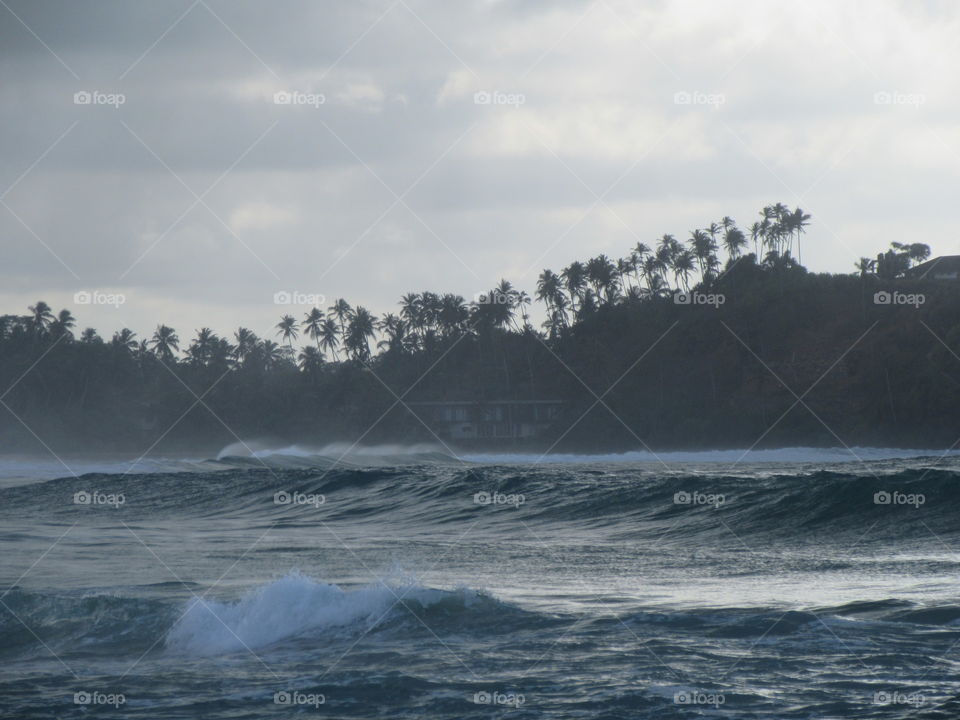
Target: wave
237 456
284 608
627 502
254 455
297 610
293 607
299 606
789 455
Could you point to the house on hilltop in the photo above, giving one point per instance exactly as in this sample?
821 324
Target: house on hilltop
945 267
490 420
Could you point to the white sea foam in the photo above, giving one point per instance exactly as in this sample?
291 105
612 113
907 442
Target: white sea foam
331 450
778 455
289 607
19 470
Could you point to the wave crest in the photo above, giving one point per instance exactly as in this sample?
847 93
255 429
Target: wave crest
293 606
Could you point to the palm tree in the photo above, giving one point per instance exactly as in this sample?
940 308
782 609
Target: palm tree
310 360
270 354
311 323
164 342
549 288
682 267
201 348
395 332
124 340
492 309
89 337
411 310
329 337
601 273
453 314
62 326
342 311
575 280
287 327
638 256
665 253
657 286
246 344
756 233
702 245
624 270
523 302
798 222
359 332
733 240
40 318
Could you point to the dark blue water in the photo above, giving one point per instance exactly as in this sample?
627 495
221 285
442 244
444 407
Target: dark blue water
437 588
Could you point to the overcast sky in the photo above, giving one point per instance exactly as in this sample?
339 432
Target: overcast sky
186 186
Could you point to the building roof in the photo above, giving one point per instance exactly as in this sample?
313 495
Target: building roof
942 266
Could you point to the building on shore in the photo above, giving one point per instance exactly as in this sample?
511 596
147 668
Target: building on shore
945 267
490 421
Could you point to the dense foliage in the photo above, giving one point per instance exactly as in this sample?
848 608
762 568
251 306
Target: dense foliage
679 344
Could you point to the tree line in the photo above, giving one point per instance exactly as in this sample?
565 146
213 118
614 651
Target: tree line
330 364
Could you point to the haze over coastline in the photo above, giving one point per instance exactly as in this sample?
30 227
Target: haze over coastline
422 360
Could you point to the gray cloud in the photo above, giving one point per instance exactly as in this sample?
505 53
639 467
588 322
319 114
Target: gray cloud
501 189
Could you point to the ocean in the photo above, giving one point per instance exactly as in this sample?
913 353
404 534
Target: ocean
406 583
